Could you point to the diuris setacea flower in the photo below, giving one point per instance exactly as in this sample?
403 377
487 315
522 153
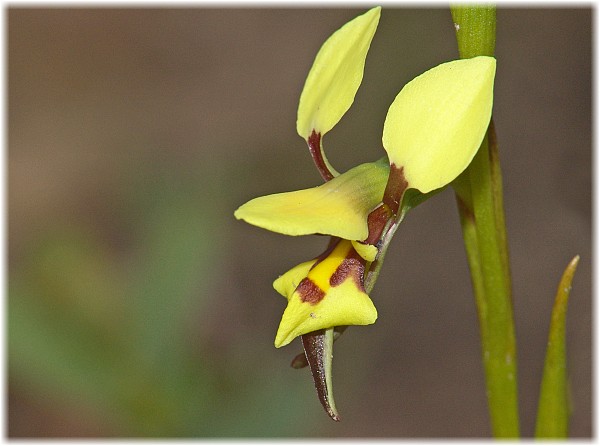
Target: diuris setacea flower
431 133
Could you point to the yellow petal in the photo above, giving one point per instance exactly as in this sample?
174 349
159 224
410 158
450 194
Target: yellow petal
336 75
339 207
287 283
330 295
437 122
366 251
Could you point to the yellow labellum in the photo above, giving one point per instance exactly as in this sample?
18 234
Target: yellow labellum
327 304
336 74
437 122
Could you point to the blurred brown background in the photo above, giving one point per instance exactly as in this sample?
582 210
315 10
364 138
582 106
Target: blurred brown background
138 306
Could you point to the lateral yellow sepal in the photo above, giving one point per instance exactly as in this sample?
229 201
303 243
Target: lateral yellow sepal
437 122
339 207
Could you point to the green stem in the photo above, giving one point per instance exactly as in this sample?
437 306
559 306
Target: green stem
475 29
498 342
480 204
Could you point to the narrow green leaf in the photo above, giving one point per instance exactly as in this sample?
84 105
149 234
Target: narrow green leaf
553 410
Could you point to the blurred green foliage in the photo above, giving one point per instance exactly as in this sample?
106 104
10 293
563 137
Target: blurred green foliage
125 331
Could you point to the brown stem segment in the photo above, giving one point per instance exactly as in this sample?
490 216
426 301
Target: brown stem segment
395 188
314 146
300 361
376 222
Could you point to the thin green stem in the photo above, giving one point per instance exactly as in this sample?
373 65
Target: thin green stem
480 205
467 222
498 335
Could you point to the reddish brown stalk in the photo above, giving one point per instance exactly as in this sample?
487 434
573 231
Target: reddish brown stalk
314 146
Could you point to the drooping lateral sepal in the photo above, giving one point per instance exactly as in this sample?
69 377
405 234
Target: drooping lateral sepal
339 207
300 360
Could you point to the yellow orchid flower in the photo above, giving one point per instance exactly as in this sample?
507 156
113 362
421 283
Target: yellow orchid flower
431 133
341 207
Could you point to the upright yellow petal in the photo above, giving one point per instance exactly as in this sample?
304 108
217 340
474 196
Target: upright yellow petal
437 122
339 207
336 74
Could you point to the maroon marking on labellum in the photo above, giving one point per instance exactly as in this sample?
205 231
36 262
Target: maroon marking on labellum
354 266
314 146
395 188
310 292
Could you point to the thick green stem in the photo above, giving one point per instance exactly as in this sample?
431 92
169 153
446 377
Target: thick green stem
480 204
498 335
475 29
